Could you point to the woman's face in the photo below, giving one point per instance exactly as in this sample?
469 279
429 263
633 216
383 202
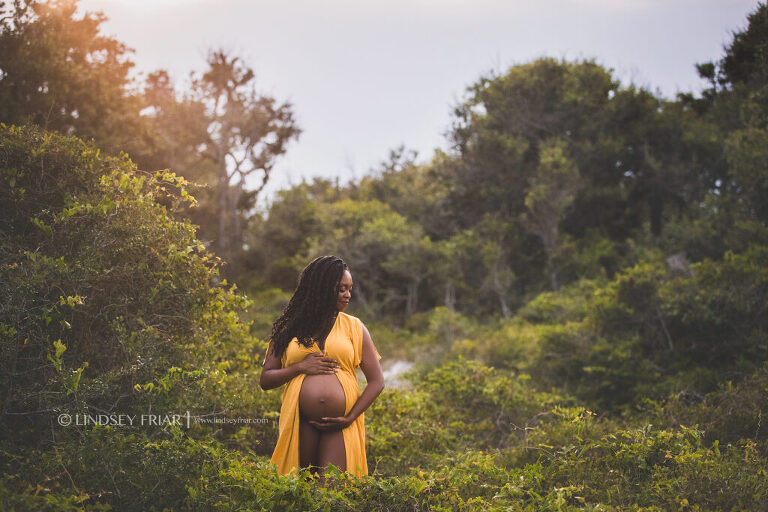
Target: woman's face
344 291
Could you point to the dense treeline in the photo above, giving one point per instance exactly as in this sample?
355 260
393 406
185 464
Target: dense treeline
581 280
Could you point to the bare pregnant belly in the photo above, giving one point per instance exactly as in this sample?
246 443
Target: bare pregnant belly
321 395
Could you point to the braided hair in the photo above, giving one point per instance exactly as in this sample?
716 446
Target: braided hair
312 308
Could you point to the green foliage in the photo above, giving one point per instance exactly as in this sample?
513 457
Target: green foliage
571 460
589 256
650 331
639 384
284 231
60 72
745 58
745 150
115 301
488 406
402 432
410 189
732 414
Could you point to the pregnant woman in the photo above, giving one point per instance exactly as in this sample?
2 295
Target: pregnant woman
315 347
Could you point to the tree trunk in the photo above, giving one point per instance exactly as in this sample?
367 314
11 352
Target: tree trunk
552 273
551 242
553 280
501 291
236 238
223 207
359 294
450 296
413 297
237 234
504 307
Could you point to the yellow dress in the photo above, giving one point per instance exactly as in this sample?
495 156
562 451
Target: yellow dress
345 344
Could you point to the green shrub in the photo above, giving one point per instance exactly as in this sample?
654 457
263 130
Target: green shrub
110 304
482 406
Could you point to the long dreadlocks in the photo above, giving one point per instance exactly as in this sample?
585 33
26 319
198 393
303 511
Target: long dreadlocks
312 309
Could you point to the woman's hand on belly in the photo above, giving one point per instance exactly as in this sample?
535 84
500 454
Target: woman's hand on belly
332 423
316 363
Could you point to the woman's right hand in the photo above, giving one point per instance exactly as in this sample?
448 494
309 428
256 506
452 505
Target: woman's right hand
317 364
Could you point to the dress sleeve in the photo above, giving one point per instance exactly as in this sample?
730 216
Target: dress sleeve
356 334
357 341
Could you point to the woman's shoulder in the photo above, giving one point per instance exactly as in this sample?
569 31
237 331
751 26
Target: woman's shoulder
350 320
346 317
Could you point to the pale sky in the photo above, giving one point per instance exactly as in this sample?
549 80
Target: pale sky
366 76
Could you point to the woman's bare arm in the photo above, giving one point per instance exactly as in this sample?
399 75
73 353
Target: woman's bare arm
273 375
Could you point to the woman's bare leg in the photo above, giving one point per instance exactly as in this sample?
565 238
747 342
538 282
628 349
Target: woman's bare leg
309 439
331 449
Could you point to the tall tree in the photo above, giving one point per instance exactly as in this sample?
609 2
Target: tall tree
494 246
618 137
550 191
411 190
746 58
246 131
738 103
59 72
222 132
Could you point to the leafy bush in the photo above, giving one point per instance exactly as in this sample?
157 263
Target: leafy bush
732 414
109 304
648 332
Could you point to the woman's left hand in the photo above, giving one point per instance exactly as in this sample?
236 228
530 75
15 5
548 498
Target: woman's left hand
332 423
